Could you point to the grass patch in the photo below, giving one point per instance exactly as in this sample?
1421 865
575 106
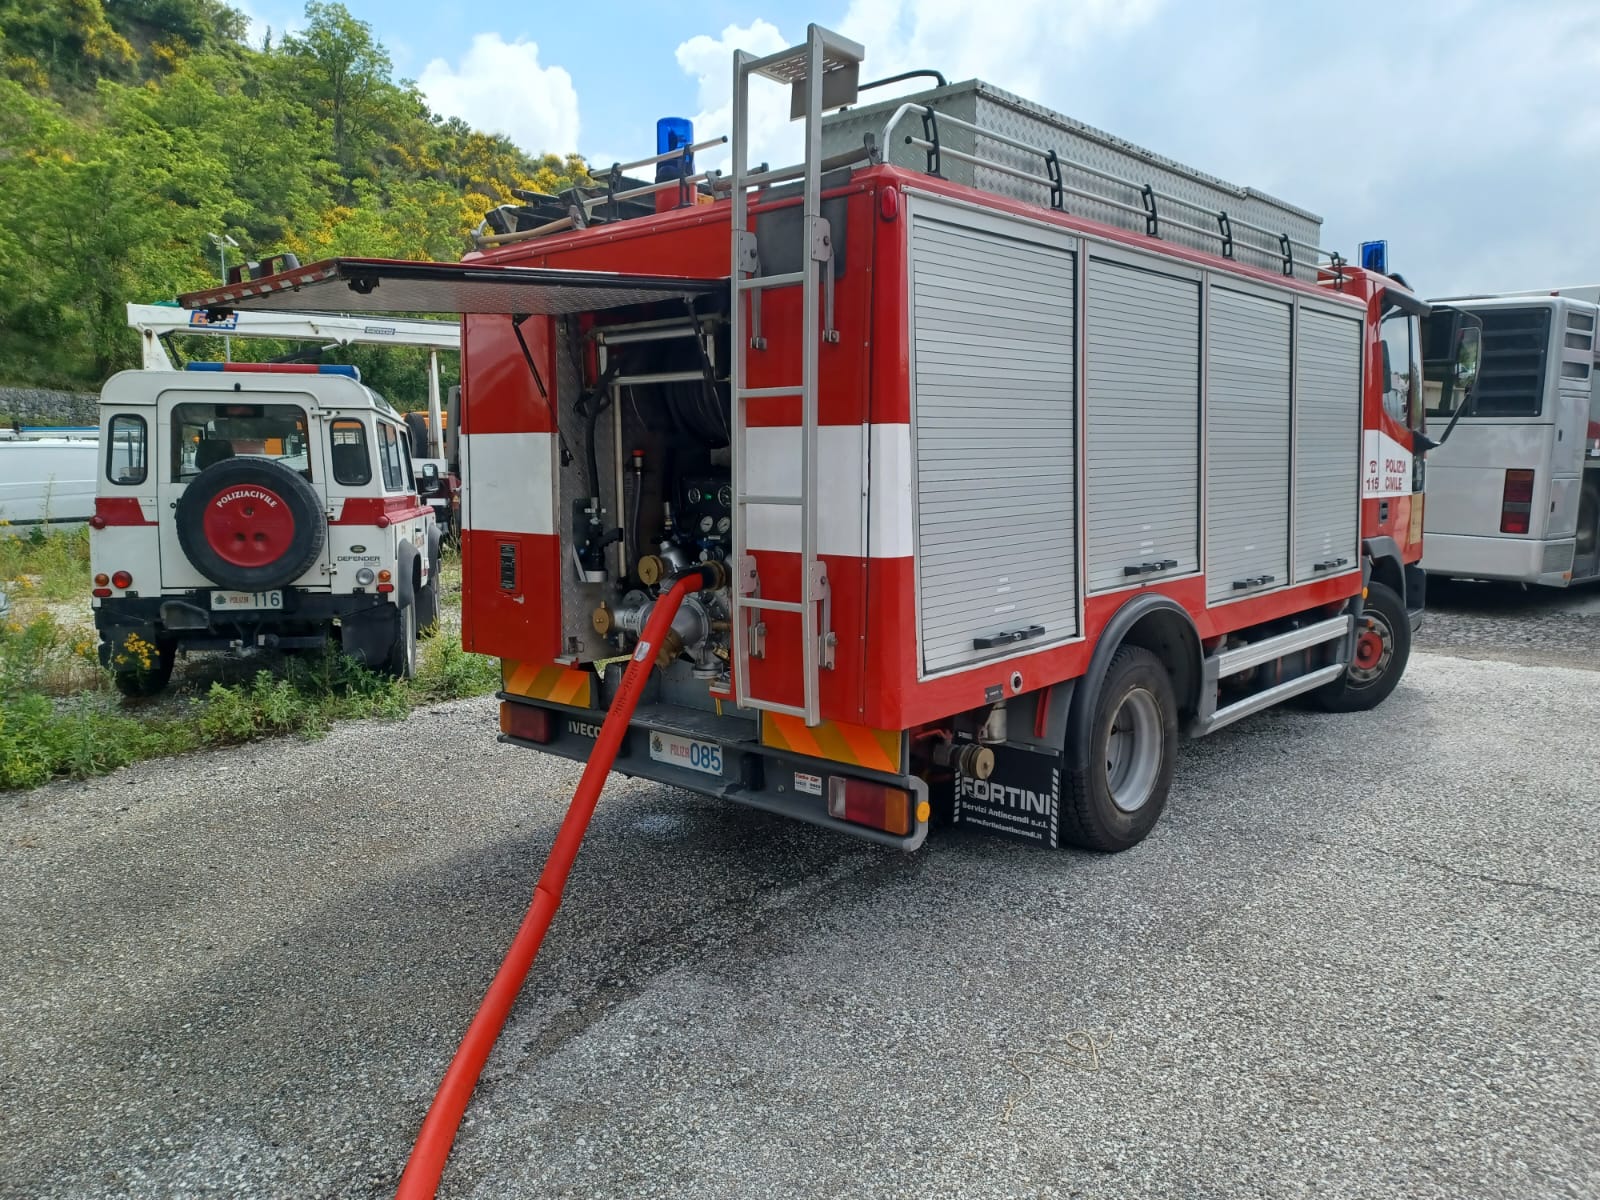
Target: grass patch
45 564
60 717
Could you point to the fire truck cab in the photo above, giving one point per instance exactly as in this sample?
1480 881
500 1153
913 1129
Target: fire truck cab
1019 452
248 506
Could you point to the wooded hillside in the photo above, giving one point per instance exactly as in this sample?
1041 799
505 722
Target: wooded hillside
131 130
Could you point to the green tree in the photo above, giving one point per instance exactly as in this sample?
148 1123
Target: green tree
347 75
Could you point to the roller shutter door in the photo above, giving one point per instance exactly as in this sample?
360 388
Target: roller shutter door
1247 444
1142 342
994 411
1327 445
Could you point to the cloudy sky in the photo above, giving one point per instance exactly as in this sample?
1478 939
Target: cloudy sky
1466 132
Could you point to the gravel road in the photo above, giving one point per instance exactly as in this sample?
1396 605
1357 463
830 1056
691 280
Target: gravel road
1358 958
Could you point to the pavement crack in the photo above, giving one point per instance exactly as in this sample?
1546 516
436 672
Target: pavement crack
1492 880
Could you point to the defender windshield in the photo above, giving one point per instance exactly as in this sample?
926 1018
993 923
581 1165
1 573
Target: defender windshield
208 433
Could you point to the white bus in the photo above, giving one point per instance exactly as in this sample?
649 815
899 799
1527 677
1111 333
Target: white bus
1515 493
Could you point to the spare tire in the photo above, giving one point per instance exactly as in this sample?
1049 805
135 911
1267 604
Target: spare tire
417 432
251 524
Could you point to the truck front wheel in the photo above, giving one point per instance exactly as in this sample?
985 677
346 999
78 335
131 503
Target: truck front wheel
1116 791
1382 649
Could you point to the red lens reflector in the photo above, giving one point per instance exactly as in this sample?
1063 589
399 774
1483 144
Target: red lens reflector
102 592
1516 502
384 587
525 722
97 522
122 580
863 803
889 203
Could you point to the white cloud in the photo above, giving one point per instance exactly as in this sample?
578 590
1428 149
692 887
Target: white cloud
1467 132
710 62
1035 39
266 17
501 87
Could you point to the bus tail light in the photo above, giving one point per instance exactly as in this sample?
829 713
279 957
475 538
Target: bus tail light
1516 502
872 804
525 722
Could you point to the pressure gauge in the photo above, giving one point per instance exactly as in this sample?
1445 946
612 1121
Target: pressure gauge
724 524
725 496
707 523
694 495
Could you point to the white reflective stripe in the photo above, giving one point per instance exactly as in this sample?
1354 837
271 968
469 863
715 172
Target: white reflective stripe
508 482
849 521
889 512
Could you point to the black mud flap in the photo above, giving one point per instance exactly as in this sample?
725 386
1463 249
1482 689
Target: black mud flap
1020 799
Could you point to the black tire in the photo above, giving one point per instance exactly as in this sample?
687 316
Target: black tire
402 661
1382 649
251 524
417 434
138 682
426 605
1116 792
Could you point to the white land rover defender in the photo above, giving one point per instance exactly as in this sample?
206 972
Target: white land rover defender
247 506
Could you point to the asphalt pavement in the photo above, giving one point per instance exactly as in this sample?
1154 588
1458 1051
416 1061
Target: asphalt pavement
1357 958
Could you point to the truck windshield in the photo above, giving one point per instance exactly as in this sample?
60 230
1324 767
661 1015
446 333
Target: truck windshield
208 433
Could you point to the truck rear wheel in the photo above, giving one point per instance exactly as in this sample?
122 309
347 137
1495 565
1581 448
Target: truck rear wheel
1382 649
1115 794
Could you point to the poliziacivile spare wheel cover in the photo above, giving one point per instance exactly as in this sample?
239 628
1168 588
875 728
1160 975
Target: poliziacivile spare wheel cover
251 524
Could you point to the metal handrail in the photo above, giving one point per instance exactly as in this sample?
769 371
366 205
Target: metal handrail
1148 193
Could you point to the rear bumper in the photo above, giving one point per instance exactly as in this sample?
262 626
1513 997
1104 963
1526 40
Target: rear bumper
754 775
1513 559
186 619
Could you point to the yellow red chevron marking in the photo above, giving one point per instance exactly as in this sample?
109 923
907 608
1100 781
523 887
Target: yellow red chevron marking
857 745
559 685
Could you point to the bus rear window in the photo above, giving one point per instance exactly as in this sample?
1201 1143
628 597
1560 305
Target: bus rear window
1516 342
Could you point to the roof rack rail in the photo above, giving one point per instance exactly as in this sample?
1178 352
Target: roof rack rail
1153 204
581 208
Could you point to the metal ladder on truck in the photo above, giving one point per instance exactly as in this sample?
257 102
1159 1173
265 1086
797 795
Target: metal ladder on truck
823 73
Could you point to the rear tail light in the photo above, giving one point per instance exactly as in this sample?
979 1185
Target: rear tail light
525 722
122 580
1516 502
863 803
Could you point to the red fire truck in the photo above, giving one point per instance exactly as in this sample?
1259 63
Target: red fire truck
1003 454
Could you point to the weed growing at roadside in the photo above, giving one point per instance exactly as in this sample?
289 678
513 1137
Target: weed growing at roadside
45 564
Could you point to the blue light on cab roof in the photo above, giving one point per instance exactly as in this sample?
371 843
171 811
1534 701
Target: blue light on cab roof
1375 257
673 133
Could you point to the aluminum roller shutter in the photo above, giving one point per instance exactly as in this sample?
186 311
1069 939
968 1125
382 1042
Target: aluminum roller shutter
1142 347
994 410
1327 444
1247 443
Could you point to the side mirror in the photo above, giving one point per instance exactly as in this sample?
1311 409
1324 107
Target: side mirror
430 470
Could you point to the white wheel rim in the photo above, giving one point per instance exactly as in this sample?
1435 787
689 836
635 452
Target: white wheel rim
1133 750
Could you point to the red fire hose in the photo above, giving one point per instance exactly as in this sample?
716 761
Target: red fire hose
426 1164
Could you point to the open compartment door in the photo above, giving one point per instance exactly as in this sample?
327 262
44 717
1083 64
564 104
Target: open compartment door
380 285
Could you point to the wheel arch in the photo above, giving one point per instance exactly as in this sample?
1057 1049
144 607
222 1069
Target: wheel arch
1158 624
1386 565
407 577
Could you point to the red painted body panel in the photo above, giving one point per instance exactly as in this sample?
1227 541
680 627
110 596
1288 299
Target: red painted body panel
865 379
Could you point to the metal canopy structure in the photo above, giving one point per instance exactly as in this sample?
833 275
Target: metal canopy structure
378 285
